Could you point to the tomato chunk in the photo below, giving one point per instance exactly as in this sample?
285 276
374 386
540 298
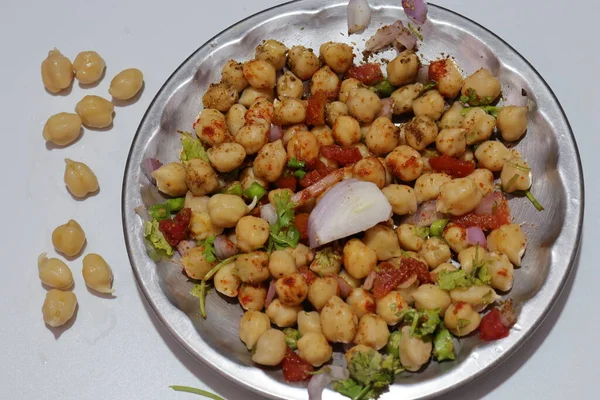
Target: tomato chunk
368 74
452 166
301 223
389 276
295 369
175 230
491 327
437 70
500 216
286 182
342 155
315 111
319 171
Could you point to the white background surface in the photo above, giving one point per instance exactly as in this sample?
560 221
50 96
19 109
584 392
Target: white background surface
116 348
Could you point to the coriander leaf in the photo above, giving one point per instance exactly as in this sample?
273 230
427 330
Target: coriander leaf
443 346
199 291
283 233
422 323
191 147
209 248
352 389
156 238
383 88
459 278
200 392
393 344
429 85
474 99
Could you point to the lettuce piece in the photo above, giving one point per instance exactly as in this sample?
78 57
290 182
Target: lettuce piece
191 148
443 346
156 238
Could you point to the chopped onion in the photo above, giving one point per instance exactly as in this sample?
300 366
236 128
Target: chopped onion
426 214
349 207
224 248
508 313
306 89
416 10
476 236
148 166
184 246
423 74
369 281
319 381
143 213
385 36
359 15
345 288
386 108
270 293
406 39
316 189
268 213
486 206
275 133
253 204
408 283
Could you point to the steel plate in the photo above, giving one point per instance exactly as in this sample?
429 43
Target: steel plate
549 146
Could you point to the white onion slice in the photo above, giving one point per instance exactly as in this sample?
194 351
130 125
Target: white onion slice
351 206
407 39
358 15
142 211
148 166
320 381
385 36
268 213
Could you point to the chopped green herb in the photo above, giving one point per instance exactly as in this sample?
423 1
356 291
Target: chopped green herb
511 182
191 147
422 322
462 323
291 337
383 88
473 99
538 206
283 233
220 265
209 248
415 31
299 174
437 227
443 346
255 190
200 392
393 344
459 278
429 85
199 291
519 167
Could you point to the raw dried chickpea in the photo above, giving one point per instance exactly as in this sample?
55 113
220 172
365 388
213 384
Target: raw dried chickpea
59 307
57 71
79 178
95 111
62 128
97 273
54 273
68 238
88 67
126 84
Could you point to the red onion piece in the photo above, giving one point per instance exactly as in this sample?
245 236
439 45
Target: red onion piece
358 15
345 288
349 207
143 213
406 39
184 246
508 313
269 214
426 214
423 74
224 248
275 133
270 293
416 10
315 190
321 380
486 206
306 89
385 36
476 236
148 166
369 281
386 108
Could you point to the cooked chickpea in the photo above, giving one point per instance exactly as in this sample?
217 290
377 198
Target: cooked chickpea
57 71
402 198
201 226
478 296
383 241
515 175
291 131
59 307
485 86
382 136
232 74
126 84
447 76
95 112
289 86
326 81
197 204
252 325
405 163
390 306
427 186
225 210
270 161
461 319
302 254
338 56
226 157
303 146
403 69
435 251
251 94
283 315
289 111
323 134
484 179
211 127
200 178
471 256
314 348
508 240
69 238
309 322
402 99
62 128
88 67
226 281
221 96
253 137
363 104
292 289
414 351
260 112
97 273
273 52
479 125
251 233
333 111
253 268
492 155
260 74
451 142
303 62
420 132
372 331
501 270
453 117
512 122
195 264
79 178
327 262
281 264
338 322
252 298
467 155
370 169
431 297
171 179
346 87
54 273
321 290
235 118
270 348
346 130
409 238
431 104
456 237
359 259
350 280
361 301
442 267
458 197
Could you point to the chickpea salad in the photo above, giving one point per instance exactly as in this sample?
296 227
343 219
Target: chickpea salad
349 205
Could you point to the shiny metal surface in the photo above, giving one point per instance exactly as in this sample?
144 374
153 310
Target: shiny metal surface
549 147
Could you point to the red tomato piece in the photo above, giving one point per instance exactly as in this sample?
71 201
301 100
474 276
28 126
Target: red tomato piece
286 182
315 111
368 74
319 171
344 156
175 230
437 70
301 223
500 216
389 276
452 166
295 369
307 274
491 327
